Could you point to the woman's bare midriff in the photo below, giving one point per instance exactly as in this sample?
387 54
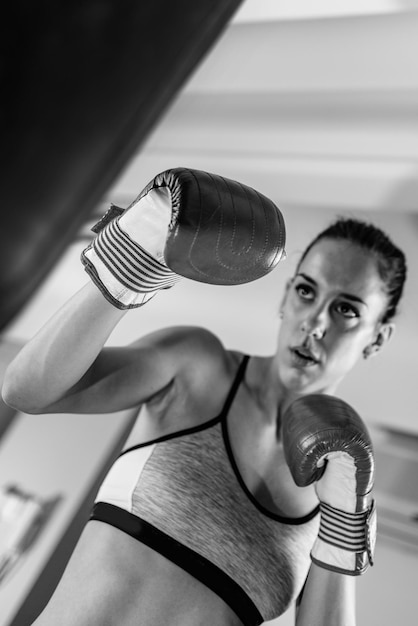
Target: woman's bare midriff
115 580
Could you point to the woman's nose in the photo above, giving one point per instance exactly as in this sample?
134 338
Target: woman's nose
315 326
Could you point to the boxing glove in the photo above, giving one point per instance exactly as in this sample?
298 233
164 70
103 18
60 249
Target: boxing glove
326 442
185 223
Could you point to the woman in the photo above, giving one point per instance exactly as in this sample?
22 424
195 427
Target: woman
199 521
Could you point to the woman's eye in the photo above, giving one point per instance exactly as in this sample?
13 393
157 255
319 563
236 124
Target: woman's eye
305 292
347 310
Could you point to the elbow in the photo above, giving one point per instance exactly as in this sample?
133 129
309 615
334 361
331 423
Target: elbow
16 397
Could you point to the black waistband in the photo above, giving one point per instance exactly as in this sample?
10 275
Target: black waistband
189 560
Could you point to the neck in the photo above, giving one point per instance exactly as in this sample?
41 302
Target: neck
267 387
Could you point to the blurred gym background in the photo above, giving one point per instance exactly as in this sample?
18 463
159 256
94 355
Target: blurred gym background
314 103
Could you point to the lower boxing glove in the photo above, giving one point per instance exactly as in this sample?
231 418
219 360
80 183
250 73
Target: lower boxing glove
326 442
185 223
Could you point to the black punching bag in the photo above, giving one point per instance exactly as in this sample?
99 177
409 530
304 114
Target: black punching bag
82 83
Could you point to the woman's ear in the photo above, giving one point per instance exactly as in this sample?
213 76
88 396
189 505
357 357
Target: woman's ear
385 332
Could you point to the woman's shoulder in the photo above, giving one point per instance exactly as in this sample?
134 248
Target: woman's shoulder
192 354
202 370
187 344
202 352
204 348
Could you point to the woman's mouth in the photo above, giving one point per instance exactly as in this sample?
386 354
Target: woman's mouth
302 357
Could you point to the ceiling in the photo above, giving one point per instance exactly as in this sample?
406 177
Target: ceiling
252 11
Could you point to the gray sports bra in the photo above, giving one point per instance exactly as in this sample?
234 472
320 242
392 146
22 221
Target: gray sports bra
183 496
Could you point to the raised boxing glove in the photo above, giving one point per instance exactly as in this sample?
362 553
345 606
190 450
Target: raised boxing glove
326 442
184 223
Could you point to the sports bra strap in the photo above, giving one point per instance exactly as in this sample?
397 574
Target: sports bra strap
234 387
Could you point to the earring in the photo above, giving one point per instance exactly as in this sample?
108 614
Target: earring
368 351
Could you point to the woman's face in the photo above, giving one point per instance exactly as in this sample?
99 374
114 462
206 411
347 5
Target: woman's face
331 314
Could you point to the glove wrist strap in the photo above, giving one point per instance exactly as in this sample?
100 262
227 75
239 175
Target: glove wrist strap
346 540
126 273
341 529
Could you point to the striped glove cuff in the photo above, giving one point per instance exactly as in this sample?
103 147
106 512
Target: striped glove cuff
345 541
126 273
